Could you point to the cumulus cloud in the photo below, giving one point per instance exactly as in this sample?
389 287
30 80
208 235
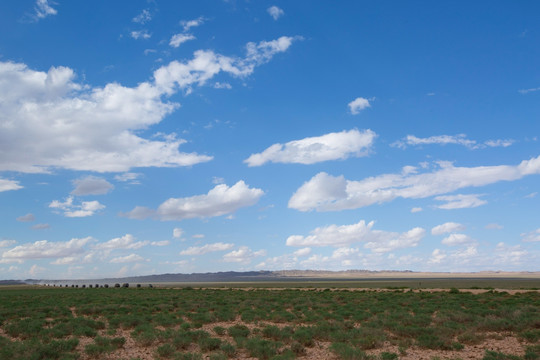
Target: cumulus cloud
456 239
358 105
144 17
41 226
416 209
51 121
91 185
26 218
243 255
345 235
275 12
460 139
7 185
494 226
332 146
325 192
533 236
179 39
220 200
437 256
125 242
448 227
44 249
43 9
140 34
86 208
460 201
126 259
201 250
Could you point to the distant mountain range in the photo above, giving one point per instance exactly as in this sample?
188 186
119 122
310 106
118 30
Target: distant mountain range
285 275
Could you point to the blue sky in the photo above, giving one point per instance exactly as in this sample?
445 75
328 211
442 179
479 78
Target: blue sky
147 137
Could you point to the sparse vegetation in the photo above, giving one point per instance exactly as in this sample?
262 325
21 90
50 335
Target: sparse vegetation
266 324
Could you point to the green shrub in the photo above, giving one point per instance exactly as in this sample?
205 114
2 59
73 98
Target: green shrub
261 349
237 331
209 344
165 351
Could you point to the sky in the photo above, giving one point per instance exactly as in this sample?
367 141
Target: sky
148 137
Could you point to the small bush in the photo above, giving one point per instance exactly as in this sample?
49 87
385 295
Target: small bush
165 351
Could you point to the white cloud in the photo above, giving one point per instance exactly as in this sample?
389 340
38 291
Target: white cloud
219 85
526 91
275 12
437 256
44 9
6 243
41 226
494 226
26 218
144 17
179 39
7 185
124 243
35 270
416 209
460 139
324 192
44 249
460 201
358 105
141 34
332 146
201 250
456 239
533 236
86 208
126 259
198 236
531 195
345 235
221 200
192 23
448 227
499 143
50 121
243 255
91 185
130 177
177 233
302 252
160 243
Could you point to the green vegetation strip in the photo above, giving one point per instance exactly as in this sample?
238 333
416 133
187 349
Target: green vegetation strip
262 323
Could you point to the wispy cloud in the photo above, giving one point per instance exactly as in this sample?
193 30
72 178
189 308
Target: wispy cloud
43 9
144 17
460 139
179 39
141 34
460 201
188 24
526 91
